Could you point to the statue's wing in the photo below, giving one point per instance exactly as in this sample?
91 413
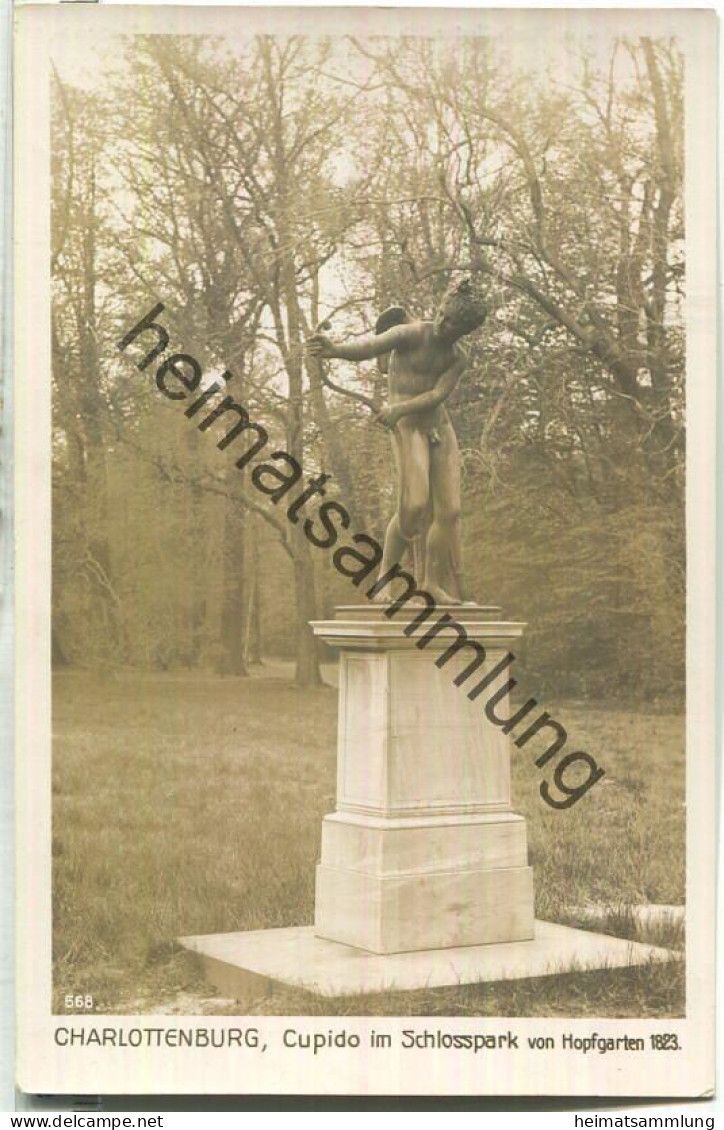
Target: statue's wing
392 316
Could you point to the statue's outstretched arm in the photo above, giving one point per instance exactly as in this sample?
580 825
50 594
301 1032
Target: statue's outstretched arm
373 345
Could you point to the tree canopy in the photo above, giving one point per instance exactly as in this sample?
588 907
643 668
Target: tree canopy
259 188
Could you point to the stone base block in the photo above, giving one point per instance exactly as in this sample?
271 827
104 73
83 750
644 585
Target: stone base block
413 846
247 965
434 910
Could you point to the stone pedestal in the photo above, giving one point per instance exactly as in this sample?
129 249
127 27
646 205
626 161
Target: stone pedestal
424 851
424 864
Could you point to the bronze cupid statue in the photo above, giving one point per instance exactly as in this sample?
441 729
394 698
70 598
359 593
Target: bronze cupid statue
424 362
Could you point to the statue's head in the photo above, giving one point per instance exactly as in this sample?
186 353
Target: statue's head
462 310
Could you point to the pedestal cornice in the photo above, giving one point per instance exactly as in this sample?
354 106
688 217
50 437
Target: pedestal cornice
367 626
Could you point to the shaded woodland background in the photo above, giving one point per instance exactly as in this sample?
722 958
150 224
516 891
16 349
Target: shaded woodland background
257 189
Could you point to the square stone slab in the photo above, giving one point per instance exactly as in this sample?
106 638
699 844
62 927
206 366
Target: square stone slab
239 963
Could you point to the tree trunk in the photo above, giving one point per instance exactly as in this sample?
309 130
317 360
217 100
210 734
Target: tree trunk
58 656
332 438
307 673
252 638
232 597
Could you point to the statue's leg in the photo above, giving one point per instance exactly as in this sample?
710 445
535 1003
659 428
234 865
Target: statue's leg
444 551
419 545
413 477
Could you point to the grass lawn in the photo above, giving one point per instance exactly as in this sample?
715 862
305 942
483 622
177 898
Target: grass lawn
192 804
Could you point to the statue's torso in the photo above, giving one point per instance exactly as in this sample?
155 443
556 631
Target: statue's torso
415 371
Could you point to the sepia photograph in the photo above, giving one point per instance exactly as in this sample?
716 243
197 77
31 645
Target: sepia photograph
370 365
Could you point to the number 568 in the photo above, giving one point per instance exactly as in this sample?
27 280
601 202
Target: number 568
78 1001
